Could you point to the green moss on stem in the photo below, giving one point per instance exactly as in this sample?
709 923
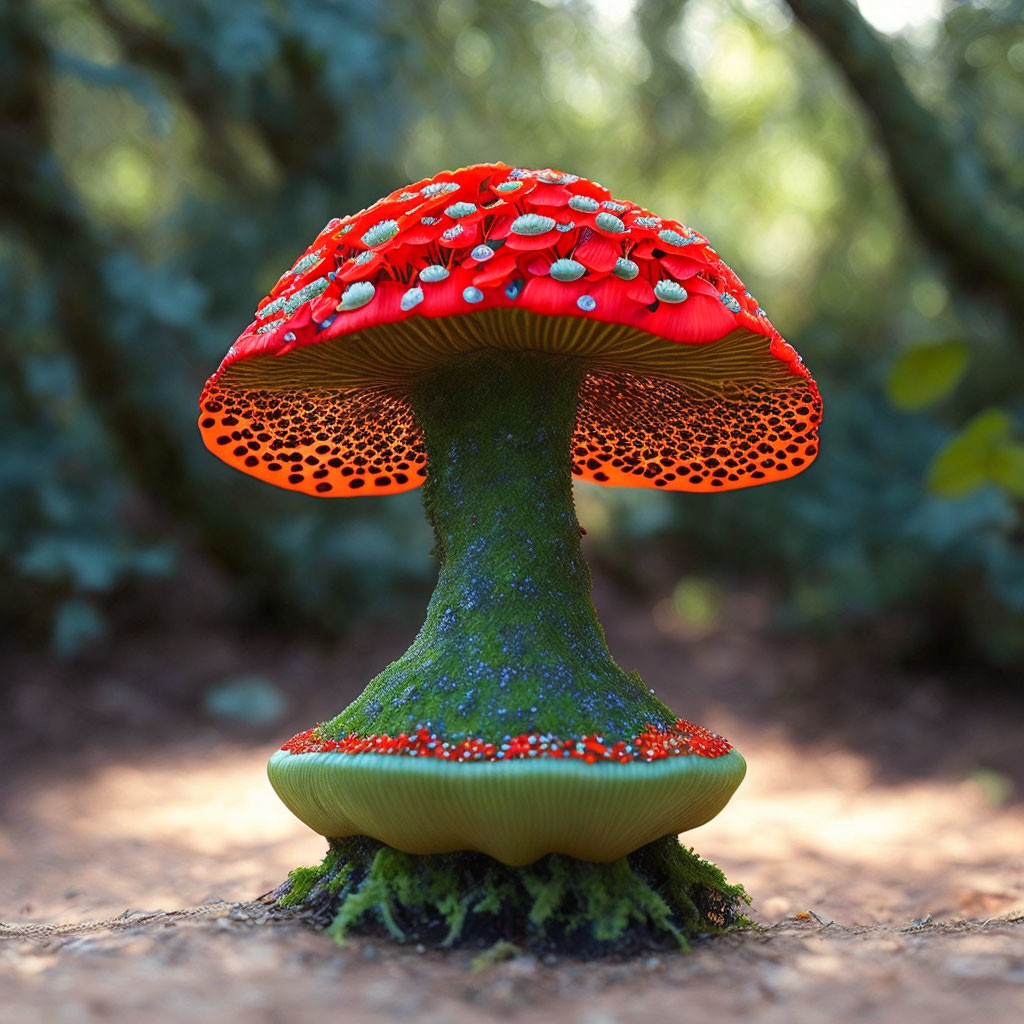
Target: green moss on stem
659 897
511 641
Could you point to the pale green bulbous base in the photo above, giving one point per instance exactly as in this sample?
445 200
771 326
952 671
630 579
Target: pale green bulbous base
514 811
659 897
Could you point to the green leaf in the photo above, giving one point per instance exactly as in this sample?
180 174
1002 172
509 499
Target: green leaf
984 452
926 373
1008 469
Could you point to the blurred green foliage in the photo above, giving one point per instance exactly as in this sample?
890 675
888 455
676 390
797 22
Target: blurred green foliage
175 155
927 373
985 452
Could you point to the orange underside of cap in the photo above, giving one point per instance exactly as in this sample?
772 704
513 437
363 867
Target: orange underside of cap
690 387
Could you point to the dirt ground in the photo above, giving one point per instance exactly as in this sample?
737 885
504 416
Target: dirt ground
878 831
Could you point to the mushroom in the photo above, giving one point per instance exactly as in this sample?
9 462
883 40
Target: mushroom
490 333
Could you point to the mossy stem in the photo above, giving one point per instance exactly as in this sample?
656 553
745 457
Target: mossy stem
511 642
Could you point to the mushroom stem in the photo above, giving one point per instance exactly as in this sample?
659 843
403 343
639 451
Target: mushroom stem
511 641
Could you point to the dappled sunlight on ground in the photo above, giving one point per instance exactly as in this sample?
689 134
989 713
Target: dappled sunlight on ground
166 832
816 830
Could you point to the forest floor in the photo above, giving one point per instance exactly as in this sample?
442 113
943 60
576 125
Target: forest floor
879 831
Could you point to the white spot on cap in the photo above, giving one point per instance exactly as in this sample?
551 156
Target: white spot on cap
272 307
670 291
532 224
438 188
626 269
435 272
567 270
304 294
609 222
356 294
457 210
587 303
672 237
413 297
307 262
380 233
584 204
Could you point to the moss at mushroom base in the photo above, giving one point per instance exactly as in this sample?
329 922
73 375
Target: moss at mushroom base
658 897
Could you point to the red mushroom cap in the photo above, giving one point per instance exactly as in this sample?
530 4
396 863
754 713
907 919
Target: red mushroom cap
691 387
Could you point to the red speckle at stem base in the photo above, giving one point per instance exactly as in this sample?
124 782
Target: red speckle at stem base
682 740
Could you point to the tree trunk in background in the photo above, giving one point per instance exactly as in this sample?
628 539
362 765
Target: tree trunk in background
41 208
942 178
